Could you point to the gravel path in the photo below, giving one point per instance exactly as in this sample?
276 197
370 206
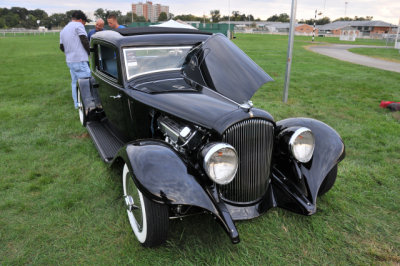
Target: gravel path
340 51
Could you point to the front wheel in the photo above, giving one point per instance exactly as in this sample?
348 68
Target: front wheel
149 220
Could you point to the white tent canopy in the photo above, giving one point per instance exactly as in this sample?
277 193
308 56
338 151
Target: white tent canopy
174 24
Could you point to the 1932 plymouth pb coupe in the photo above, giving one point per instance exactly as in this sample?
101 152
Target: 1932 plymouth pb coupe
173 106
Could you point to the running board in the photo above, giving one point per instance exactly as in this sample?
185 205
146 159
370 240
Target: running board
106 142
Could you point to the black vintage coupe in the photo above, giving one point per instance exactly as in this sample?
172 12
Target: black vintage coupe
172 108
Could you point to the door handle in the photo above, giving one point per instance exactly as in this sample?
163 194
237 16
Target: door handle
116 97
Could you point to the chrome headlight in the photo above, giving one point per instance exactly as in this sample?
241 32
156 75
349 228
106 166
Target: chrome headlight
301 144
220 161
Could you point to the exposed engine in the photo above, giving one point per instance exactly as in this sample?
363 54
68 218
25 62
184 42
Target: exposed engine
182 137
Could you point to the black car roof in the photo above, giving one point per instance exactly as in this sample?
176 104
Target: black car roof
142 36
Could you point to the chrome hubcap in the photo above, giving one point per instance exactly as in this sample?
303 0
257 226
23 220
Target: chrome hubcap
130 204
132 201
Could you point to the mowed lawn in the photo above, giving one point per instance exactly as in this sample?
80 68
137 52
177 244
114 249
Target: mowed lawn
389 54
60 204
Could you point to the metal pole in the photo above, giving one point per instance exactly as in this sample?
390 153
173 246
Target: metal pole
315 20
289 52
229 19
397 36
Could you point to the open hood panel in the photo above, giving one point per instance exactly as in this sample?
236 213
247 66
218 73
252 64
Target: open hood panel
220 65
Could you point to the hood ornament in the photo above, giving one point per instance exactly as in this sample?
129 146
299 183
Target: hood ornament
246 106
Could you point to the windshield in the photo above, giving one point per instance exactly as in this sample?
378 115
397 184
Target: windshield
139 61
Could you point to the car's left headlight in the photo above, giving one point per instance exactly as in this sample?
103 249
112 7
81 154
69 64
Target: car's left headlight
301 144
220 162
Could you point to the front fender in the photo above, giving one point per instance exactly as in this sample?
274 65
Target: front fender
329 151
162 176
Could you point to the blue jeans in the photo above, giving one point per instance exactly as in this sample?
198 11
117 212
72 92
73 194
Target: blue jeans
78 70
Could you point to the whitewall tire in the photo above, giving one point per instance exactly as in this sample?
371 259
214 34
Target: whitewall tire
81 108
148 219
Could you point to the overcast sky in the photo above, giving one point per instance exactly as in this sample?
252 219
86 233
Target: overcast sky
385 10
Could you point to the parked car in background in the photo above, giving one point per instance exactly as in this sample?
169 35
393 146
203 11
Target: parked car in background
172 108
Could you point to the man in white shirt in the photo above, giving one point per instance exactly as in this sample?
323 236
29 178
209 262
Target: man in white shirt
74 43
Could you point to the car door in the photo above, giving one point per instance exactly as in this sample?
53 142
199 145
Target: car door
110 89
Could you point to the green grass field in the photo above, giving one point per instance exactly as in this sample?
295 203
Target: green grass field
389 54
60 204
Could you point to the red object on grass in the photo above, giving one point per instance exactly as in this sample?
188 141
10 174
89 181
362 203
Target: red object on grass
384 104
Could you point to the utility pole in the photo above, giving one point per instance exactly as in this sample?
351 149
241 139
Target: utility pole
345 8
289 52
396 45
315 21
229 19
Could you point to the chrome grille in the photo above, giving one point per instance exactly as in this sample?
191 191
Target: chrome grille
253 141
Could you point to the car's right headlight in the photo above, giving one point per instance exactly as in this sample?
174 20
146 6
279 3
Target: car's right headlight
302 144
220 162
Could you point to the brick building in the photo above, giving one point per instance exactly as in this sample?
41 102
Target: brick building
364 28
149 11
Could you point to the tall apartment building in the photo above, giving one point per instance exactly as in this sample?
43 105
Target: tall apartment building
149 11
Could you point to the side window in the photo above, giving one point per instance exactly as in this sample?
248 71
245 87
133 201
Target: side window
107 59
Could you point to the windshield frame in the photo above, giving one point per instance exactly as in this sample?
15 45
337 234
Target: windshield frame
124 53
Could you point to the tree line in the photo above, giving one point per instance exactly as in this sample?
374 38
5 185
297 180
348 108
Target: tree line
19 17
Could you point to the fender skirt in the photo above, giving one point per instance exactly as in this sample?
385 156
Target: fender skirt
162 176
296 185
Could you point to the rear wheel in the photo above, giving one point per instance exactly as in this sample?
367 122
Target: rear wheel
81 108
149 220
328 182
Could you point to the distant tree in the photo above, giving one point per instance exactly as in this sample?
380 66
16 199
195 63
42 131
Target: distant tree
104 13
367 18
20 11
273 18
39 14
100 13
141 19
354 19
235 15
190 17
57 20
321 21
128 18
343 19
162 16
2 23
12 20
215 16
281 18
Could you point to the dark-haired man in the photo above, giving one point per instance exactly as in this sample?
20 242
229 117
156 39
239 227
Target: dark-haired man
113 22
75 44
